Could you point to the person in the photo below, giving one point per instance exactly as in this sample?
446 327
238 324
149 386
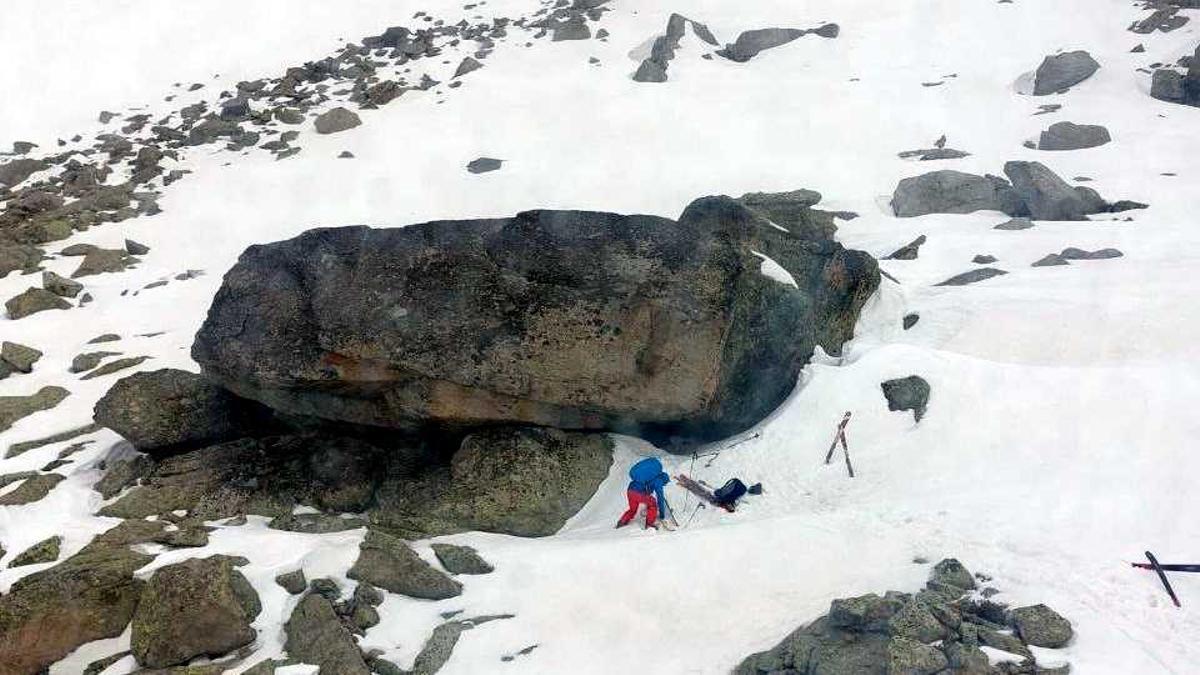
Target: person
646 483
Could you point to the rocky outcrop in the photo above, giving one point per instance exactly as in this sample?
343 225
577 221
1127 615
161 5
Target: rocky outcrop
389 563
199 607
169 411
938 630
1063 71
568 319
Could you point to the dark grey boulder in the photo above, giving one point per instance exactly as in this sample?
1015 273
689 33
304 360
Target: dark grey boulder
568 319
467 65
1063 71
134 248
88 360
1070 136
1015 224
461 559
793 211
336 120
484 164
440 646
1047 196
984 259
1041 626
103 261
752 42
200 607
972 276
1050 260
293 582
907 393
168 411
946 191
654 67
910 320
1073 253
951 572
389 563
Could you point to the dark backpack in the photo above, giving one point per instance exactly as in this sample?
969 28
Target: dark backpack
730 492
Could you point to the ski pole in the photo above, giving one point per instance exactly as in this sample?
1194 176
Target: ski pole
670 511
699 505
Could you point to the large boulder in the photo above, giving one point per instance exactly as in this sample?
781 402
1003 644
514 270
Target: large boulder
949 191
1047 196
1176 87
389 563
168 411
199 607
568 319
1063 71
315 635
1071 136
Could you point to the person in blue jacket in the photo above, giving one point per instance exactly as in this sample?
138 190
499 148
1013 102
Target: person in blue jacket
646 483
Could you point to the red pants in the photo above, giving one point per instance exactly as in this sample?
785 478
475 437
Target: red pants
636 499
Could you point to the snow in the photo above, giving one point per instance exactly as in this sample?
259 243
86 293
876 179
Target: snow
775 271
998 656
1058 441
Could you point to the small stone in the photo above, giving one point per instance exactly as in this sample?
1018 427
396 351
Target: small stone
461 559
134 248
60 286
984 259
908 393
346 154
1041 626
468 65
336 120
293 582
20 357
107 337
484 164
911 320
1051 260
973 276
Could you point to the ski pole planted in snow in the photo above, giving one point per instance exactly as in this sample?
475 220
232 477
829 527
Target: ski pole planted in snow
839 436
1163 578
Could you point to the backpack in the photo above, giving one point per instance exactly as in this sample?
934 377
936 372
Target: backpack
644 473
730 492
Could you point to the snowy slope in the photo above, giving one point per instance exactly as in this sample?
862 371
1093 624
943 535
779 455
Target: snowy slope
1058 442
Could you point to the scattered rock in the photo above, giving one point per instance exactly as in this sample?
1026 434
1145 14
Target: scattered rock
1080 254
910 320
984 259
1063 71
19 258
467 65
115 366
484 164
44 551
168 411
32 301
60 286
1041 626
908 393
107 337
389 563
438 648
1051 260
123 473
86 361
32 489
103 261
951 572
972 276
20 357
948 191
336 120
315 635
199 607
134 248
752 42
17 449
293 582
461 559
1015 224
13 408
1046 196
908 251
1069 136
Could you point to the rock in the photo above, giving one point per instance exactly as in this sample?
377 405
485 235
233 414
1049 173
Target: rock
1069 136
461 559
16 171
18 258
100 665
984 259
107 337
865 613
48 614
575 320
522 481
134 248
794 212
1062 71
20 357
752 42
86 361
1047 196
32 301
316 636
389 563
336 120
77 250
484 164
60 286
574 28
293 582
44 551
13 408
650 71
103 261
908 251
315 523
438 648
289 115
1080 254
199 607
1051 260
946 191
908 393
1015 224
467 65
951 572
910 320
1168 85
17 449
915 621
168 411
366 594
31 489
115 366
909 657
1041 626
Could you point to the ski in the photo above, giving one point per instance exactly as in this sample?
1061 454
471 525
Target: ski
1168 567
1163 578
700 491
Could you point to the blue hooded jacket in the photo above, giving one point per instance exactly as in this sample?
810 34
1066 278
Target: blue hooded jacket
648 476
